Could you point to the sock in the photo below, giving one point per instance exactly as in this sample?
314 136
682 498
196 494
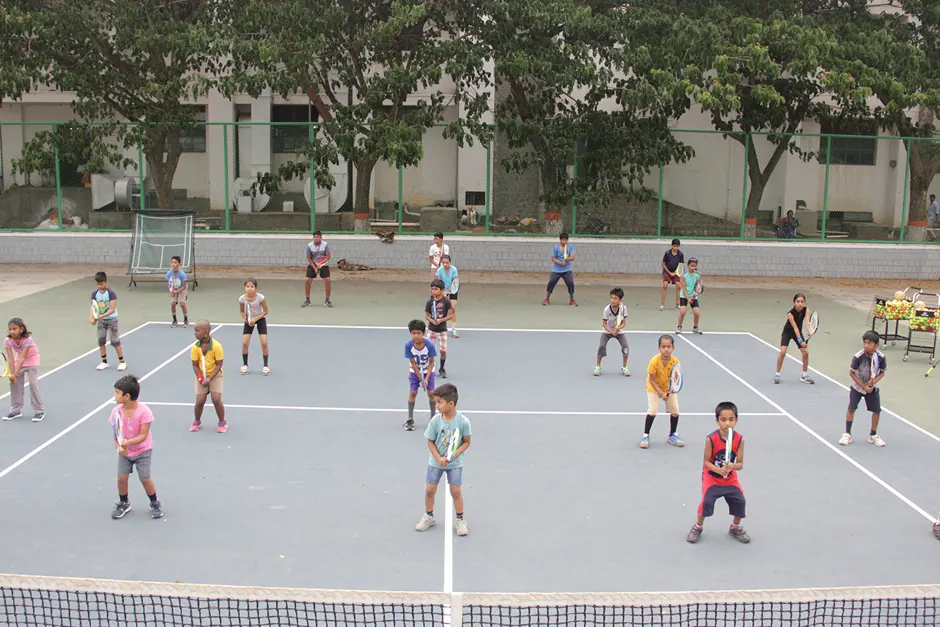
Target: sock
673 424
245 359
872 432
265 360
121 359
778 373
433 407
735 526
411 411
104 359
430 513
460 516
123 498
443 361
185 317
805 373
174 317
152 497
649 424
848 426
697 526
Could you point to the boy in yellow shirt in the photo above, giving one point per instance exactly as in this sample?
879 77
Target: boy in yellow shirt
207 357
657 387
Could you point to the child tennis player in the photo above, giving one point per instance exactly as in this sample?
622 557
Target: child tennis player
562 257
104 300
688 282
179 290
657 387
23 363
443 427
613 320
447 273
254 311
671 261
136 448
720 474
420 354
793 332
436 253
437 312
207 356
318 264
867 368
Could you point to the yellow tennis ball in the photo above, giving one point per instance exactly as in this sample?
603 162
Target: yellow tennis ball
920 305
899 295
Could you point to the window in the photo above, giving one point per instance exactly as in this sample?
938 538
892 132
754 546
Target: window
193 139
291 138
860 150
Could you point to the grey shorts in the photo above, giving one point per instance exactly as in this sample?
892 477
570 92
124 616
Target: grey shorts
620 337
434 474
142 461
105 326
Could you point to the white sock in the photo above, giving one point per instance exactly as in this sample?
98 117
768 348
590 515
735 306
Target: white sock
778 373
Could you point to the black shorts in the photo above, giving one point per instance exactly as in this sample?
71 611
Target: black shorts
261 325
452 297
684 302
872 400
788 337
733 496
324 272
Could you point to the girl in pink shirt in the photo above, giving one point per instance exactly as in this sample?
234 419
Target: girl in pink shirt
23 360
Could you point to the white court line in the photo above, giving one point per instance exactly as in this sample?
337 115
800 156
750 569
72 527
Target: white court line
509 412
828 444
81 420
82 356
884 409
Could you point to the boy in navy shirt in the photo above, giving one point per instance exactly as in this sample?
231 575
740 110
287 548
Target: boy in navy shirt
671 261
420 354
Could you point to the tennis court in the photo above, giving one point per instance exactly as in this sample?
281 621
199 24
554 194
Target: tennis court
315 485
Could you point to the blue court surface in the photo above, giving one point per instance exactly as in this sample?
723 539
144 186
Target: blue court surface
316 485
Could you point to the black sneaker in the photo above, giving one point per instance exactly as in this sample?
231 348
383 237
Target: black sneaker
155 510
443 373
174 324
306 303
328 303
409 425
120 509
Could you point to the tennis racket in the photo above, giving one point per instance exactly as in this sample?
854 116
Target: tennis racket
95 311
117 425
813 324
202 365
680 269
564 253
453 445
247 312
6 365
675 380
699 288
320 261
455 285
932 366
172 284
619 319
729 445
434 310
873 369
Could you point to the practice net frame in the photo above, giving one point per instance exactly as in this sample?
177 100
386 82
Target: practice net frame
157 237
64 602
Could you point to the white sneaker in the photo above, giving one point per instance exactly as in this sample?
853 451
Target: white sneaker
122 366
845 440
876 440
461 527
102 366
425 523
265 371
243 370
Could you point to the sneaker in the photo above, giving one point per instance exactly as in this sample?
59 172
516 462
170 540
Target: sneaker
694 534
876 440
645 441
572 303
677 306
662 308
805 378
454 333
155 510
195 426
38 416
265 371
625 371
185 323
597 371
675 440
120 509
776 378
846 439
13 415
102 366
328 303
696 331
174 324
243 370
936 529
739 534
409 425
425 523
222 428
545 302
461 527
442 373
306 303
122 366
678 330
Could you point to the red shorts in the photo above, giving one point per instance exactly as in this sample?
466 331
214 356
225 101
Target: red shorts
669 278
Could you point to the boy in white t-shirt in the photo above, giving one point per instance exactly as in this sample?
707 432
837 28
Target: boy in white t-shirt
614 319
438 250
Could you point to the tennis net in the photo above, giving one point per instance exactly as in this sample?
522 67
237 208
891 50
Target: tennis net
59 602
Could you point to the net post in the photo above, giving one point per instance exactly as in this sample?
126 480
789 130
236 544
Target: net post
456 609
225 173
489 181
140 171
822 234
58 174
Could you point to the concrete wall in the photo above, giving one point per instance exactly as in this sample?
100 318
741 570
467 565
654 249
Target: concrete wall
719 258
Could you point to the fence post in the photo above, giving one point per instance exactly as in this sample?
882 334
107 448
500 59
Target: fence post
574 186
58 174
311 137
747 173
489 181
659 204
140 172
225 173
826 188
401 208
907 187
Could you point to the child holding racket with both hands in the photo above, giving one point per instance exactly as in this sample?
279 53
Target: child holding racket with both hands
318 264
614 319
448 274
104 315
724 458
254 311
663 382
448 436
420 354
179 290
866 370
22 364
130 422
437 312
691 286
793 332
207 356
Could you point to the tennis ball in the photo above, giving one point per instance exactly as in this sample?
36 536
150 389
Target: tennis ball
899 295
920 305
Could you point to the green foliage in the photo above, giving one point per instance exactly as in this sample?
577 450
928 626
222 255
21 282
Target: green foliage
90 146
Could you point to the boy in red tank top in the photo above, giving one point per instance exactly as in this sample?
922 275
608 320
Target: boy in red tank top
720 474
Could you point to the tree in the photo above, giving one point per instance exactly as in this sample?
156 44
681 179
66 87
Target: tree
383 51
125 61
895 56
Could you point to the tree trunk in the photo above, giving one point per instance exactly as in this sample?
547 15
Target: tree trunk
924 156
163 165
361 210
554 180
754 197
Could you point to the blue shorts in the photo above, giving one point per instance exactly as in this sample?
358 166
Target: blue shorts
414 382
434 474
